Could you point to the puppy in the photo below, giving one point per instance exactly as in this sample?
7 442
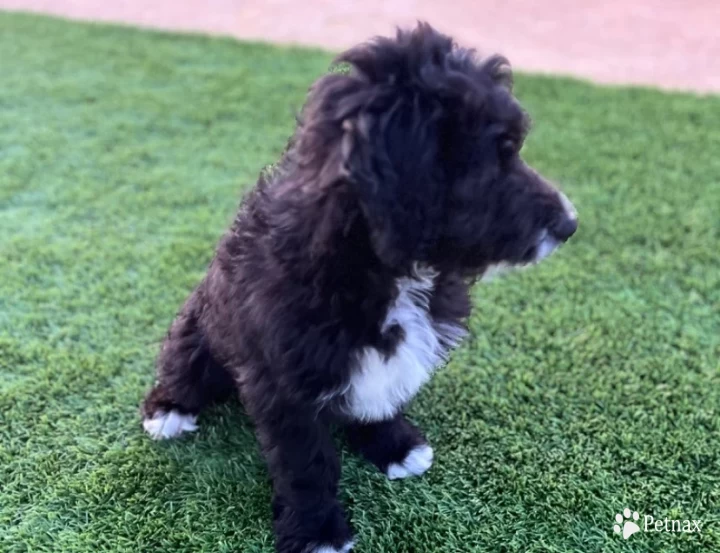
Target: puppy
344 280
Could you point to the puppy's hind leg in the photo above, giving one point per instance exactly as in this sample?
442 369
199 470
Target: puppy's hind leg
188 379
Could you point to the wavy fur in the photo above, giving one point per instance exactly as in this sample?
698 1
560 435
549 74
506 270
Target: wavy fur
344 279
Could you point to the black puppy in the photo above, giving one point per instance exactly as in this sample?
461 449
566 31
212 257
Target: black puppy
343 282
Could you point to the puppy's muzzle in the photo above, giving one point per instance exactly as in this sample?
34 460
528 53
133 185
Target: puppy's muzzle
567 224
564 226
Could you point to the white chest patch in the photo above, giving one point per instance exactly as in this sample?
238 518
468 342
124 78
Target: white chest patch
382 385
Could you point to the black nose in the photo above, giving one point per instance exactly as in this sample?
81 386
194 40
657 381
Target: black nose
564 228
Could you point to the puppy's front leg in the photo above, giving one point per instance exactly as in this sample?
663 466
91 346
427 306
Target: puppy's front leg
305 470
395 446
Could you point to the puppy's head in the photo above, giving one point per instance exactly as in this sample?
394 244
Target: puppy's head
427 137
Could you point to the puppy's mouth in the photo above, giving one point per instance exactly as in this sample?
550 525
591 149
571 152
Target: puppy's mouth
544 245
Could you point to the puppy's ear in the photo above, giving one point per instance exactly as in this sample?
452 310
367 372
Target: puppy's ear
377 129
390 158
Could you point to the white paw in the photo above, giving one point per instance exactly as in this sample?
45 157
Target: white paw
330 549
168 425
415 463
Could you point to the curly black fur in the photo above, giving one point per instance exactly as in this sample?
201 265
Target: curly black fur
410 159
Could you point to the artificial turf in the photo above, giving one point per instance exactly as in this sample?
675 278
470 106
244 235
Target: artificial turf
590 383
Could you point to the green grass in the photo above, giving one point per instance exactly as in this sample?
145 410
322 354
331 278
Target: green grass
590 383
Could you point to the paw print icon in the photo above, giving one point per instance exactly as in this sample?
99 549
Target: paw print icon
626 523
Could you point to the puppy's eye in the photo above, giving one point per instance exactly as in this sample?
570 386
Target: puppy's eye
507 148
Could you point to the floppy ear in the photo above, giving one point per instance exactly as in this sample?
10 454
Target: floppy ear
390 158
377 129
